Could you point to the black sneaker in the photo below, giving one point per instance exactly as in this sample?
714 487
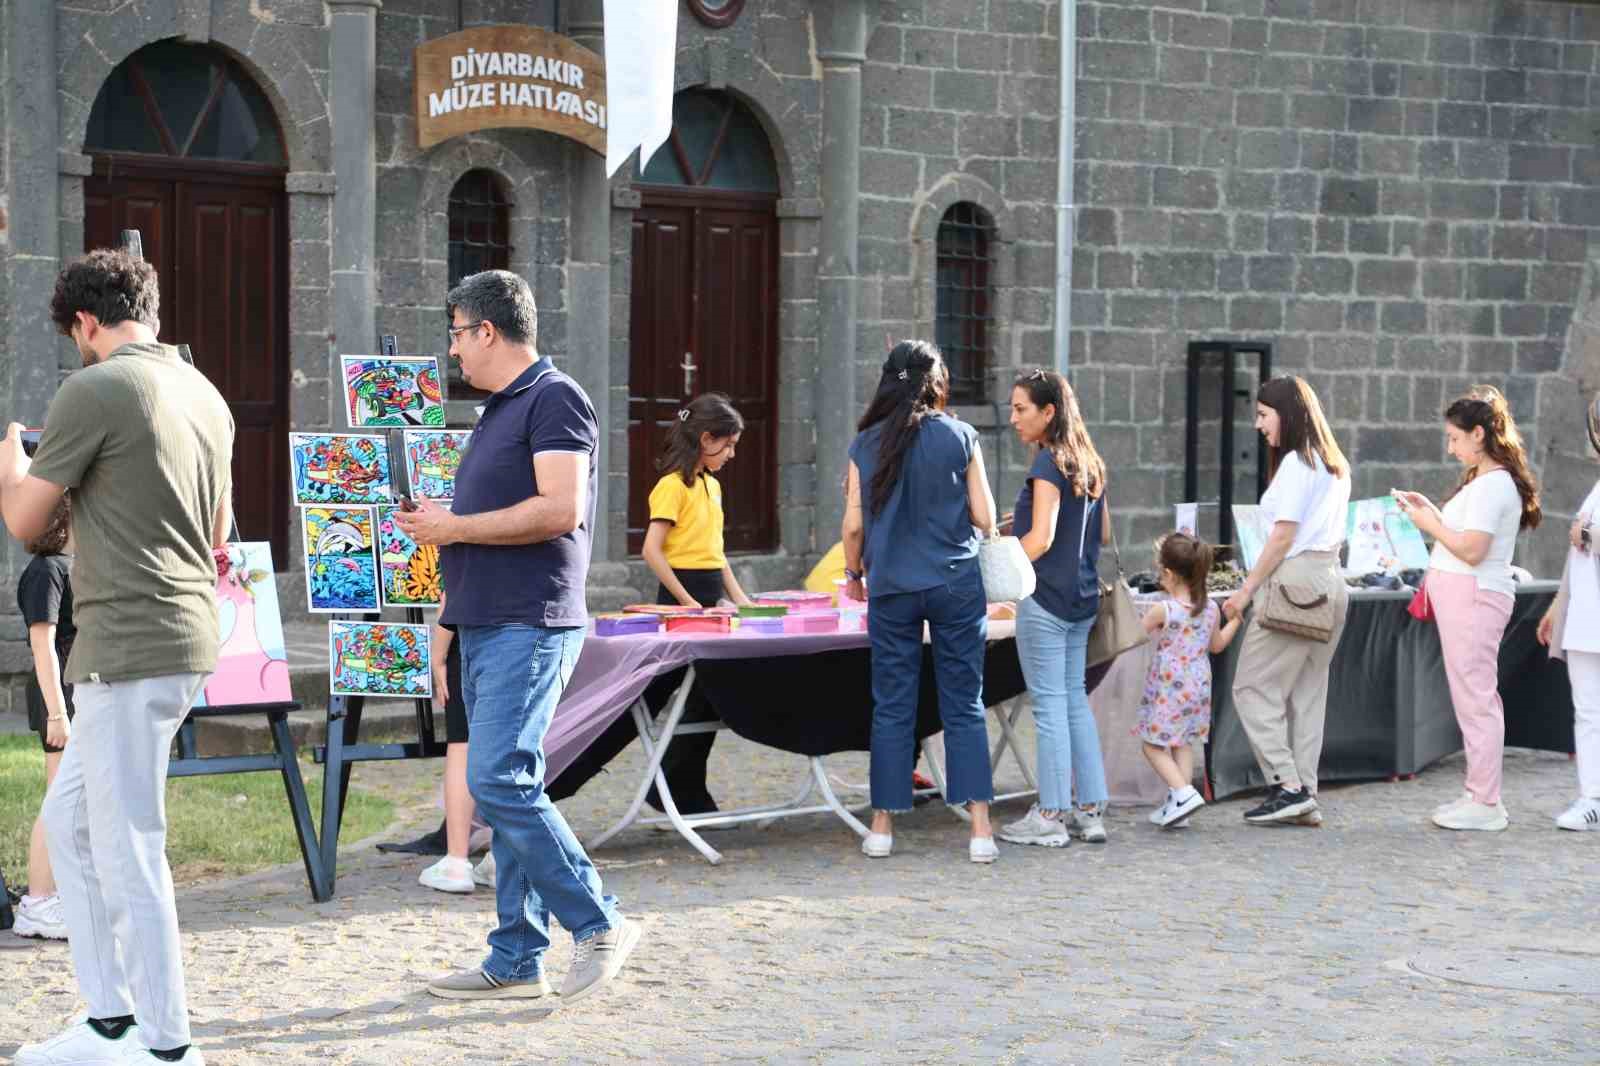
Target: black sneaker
1281 805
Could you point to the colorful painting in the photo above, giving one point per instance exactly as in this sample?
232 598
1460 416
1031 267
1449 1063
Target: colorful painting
252 666
1186 518
341 569
432 458
410 570
1382 539
379 659
339 468
392 390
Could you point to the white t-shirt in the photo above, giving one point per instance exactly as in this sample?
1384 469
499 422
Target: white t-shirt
1312 497
1489 503
1582 632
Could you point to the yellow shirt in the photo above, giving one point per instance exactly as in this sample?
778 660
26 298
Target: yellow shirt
828 568
695 540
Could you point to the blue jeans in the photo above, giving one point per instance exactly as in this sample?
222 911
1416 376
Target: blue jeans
511 678
1052 652
956 616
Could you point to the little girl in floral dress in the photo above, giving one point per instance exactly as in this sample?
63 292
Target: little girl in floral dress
1176 709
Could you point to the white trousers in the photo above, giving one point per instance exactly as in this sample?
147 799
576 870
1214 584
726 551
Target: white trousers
105 820
1583 670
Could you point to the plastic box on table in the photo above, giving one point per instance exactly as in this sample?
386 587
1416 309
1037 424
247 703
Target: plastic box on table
625 625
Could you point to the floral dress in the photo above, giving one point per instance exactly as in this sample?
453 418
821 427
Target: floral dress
1176 707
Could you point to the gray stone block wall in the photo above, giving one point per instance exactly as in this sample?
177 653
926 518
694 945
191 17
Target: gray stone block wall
1400 197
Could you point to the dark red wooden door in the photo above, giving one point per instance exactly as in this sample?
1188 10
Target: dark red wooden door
705 298
219 242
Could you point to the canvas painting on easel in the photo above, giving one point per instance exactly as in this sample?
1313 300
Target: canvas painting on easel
252 666
410 571
392 391
432 457
339 468
379 659
341 569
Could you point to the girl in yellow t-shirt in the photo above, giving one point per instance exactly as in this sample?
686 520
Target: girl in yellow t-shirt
683 545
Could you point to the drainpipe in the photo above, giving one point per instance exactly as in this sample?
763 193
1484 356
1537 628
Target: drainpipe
1064 164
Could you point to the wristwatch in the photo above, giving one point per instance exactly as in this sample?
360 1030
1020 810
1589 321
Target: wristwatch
852 575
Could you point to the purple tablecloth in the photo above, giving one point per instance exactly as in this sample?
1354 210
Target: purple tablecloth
612 672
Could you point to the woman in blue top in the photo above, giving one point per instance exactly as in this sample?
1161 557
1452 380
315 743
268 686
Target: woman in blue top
1061 519
915 491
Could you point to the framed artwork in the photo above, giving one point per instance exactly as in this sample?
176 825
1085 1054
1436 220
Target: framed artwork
1382 539
392 390
339 468
379 659
409 571
253 666
1250 529
432 457
341 569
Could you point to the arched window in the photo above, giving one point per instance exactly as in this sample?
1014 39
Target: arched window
480 239
184 100
965 299
715 144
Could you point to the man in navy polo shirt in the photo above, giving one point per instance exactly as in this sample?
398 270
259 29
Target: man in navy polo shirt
514 550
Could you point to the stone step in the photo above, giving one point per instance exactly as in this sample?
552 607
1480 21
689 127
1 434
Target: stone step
381 721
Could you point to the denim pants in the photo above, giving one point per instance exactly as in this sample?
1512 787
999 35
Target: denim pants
512 677
957 618
1052 653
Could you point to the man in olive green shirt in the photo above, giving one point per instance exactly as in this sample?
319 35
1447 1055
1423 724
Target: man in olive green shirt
144 443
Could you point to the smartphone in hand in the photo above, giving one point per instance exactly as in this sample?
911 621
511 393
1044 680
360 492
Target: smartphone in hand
30 441
407 504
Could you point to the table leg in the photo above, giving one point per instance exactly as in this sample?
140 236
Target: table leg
1008 739
654 749
807 786
819 770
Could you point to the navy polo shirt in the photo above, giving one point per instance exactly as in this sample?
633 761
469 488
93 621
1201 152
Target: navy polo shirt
923 538
542 584
1068 574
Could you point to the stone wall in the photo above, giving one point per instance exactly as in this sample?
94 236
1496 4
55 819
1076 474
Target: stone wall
1398 196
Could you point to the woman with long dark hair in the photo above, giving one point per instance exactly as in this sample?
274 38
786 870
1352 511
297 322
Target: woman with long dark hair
916 498
1280 687
1061 518
1470 586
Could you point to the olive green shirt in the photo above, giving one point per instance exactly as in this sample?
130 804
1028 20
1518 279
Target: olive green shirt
144 443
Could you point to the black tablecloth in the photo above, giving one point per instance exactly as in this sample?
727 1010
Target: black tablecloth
822 704
1389 709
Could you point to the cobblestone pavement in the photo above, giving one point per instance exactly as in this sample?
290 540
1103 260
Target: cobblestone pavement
1216 944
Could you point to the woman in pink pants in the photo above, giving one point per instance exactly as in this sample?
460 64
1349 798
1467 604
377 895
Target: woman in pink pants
1470 586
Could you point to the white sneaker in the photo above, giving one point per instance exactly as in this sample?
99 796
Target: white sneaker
448 875
1465 797
1583 815
877 845
982 850
1474 815
483 873
41 917
1088 826
80 1045
1035 828
1180 805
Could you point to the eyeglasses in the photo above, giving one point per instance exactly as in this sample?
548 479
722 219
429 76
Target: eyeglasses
457 331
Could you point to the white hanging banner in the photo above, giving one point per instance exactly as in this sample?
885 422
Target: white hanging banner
641 42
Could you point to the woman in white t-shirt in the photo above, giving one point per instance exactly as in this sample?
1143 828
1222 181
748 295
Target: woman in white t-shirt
1572 629
1470 586
1280 687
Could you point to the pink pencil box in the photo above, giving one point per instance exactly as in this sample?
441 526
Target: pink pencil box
797 601
761 626
811 622
699 623
625 625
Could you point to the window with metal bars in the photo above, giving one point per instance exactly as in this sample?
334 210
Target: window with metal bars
480 239
964 299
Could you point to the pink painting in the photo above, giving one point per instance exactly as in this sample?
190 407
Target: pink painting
253 666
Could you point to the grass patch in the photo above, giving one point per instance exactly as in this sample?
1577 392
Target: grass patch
218 826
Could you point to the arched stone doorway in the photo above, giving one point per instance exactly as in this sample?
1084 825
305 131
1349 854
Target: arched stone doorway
704 305
187 150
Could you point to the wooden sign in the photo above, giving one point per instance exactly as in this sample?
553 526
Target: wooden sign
494 77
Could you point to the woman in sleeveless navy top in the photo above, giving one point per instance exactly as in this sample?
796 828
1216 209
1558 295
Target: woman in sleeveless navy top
916 490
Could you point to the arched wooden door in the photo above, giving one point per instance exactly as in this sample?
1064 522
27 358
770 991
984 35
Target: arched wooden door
705 306
187 151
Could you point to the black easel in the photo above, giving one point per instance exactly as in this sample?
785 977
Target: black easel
1228 353
344 749
284 758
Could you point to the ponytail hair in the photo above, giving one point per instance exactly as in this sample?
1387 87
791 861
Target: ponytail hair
1485 407
1190 558
1066 437
914 384
53 540
710 412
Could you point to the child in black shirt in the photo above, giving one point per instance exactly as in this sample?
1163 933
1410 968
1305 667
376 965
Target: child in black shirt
44 596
